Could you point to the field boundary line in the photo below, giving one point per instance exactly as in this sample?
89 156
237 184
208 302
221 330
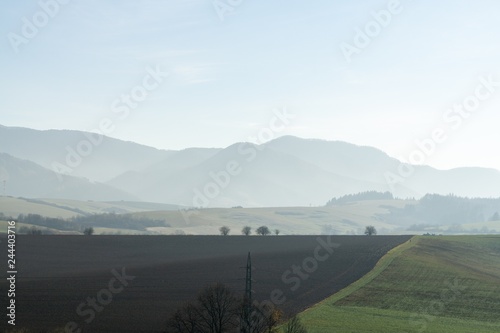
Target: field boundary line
380 266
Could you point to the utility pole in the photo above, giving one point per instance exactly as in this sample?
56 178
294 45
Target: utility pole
246 324
248 281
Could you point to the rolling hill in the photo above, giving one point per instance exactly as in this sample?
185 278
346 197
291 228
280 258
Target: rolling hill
432 214
268 177
431 284
108 157
287 171
26 178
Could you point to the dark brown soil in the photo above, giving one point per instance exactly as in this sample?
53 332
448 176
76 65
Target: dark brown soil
58 273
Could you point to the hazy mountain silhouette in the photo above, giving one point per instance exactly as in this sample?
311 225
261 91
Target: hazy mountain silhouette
106 160
287 171
260 178
342 158
27 179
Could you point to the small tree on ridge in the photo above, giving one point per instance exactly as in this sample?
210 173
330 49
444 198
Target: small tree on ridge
370 230
246 230
88 231
224 231
263 231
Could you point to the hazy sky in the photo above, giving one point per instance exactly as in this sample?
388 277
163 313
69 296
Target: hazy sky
227 75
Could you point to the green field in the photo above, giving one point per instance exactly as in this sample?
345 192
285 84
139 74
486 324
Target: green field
431 284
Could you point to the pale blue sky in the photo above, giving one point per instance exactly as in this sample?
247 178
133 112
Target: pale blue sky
227 76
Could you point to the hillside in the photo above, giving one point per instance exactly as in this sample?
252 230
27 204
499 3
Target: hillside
26 178
431 284
269 177
286 171
372 165
107 158
349 219
346 220
347 215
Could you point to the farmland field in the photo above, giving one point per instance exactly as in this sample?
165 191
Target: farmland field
58 273
349 219
433 284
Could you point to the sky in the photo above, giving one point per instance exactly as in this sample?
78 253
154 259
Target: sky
402 76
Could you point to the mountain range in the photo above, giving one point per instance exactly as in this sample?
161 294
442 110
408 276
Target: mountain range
287 171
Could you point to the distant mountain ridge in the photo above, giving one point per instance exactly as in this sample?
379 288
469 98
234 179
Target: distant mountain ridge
287 171
27 179
52 148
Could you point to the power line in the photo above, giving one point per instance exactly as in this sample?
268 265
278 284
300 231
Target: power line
247 306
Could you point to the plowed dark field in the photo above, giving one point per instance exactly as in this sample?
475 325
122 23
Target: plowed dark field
56 274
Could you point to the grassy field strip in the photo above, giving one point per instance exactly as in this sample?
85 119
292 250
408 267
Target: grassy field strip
15 206
431 284
3 227
381 265
352 319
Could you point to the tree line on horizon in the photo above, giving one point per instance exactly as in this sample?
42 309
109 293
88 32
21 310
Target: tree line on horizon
247 231
82 223
361 196
432 208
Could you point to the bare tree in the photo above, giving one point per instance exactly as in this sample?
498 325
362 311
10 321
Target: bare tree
264 318
263 231
219 309
276 232
216 310
273 318
295 326
370 230
246 230
185 320
224 231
